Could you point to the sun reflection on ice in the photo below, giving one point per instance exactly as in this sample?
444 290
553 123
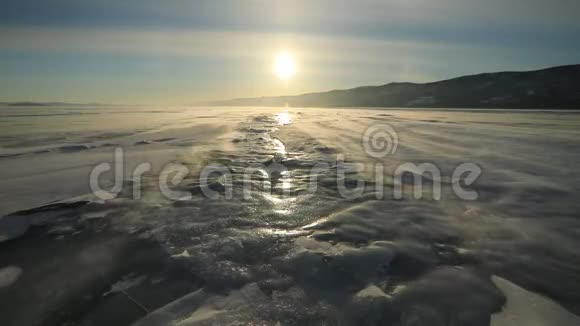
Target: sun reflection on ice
279 147
283 118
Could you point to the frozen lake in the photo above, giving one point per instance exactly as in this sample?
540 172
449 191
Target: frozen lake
308 222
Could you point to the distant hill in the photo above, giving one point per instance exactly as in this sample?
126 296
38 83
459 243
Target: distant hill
32 104
552 88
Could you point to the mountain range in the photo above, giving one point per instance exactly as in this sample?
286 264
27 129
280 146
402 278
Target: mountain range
551 88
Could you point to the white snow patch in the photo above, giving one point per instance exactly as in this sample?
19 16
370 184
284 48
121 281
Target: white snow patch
9 275
185 253
125 284
371 291
530 309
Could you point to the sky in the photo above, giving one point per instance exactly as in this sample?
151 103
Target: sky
181 52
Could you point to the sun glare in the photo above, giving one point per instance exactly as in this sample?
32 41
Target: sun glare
285 67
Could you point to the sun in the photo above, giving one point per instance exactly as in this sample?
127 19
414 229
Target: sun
285 66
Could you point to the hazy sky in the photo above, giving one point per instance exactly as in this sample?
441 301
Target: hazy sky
179 52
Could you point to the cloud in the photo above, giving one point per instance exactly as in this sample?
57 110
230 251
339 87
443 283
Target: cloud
488 22
292 13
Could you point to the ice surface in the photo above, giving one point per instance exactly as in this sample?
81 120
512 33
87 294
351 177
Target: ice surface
284 256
